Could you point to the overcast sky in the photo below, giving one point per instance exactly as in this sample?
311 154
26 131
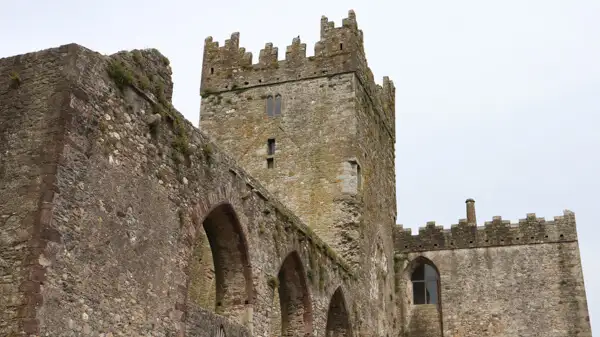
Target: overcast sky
496 100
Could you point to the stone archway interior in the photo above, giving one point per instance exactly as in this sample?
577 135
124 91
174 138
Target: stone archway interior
220 277
338 322
294 298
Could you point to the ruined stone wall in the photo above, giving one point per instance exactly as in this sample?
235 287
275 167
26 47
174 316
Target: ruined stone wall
310 151
318 120
135 189
500 279
378 200
334 144
204 323
31 93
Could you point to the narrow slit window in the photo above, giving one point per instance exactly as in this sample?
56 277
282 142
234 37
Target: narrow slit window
271 146
270 106
358 177
277 111
357 174
270 163
341 46
212 71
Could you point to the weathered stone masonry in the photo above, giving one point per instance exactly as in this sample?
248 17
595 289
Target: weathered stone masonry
319 133
119 218
131 187
500 279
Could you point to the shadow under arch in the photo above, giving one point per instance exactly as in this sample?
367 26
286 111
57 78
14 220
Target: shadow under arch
294 297
338 319
228 249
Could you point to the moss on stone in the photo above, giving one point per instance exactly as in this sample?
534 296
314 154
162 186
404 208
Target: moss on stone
322 277
120 74
15 80
273 282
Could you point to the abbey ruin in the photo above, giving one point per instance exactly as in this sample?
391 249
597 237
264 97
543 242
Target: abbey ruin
276 217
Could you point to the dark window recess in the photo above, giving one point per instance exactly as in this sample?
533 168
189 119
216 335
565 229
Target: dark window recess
212 71
271 146
270 106
341 46
277 111
356 170
426 281
270 163
358 177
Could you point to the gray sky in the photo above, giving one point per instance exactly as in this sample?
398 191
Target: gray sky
496 100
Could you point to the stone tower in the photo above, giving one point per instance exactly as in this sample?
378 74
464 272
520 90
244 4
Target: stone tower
318 132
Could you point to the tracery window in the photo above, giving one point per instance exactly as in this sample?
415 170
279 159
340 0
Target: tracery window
220 332
273 106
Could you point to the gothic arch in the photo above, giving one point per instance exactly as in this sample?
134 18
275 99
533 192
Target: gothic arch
338 320
221 244
421 272
294 298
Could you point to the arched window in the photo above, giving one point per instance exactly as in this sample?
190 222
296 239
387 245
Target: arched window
270 106
273 106
426 282
277 111
220 332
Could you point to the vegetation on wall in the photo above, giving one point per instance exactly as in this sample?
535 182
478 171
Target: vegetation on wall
15 80
129 69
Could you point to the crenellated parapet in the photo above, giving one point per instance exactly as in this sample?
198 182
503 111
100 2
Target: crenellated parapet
339 50
498 232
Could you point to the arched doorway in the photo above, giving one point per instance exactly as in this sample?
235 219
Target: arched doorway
294 298
338 321
220 278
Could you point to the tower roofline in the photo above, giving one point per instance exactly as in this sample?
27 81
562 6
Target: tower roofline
340 50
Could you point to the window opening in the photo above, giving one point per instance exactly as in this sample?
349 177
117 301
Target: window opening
356 170
220 332
425 281
271 146
277 111
341 46
212 71
270 106
270 163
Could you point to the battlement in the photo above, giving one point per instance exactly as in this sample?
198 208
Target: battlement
229 67
340 50
498 232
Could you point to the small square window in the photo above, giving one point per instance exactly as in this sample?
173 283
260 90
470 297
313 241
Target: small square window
270 163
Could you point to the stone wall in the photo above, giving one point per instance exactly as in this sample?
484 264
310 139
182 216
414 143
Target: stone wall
310 151
376 156
204 323
333 163
500 279
32 90
133 190
339 50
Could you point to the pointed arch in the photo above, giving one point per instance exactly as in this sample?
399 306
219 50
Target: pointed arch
221 244
338 320
294 298
424 278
